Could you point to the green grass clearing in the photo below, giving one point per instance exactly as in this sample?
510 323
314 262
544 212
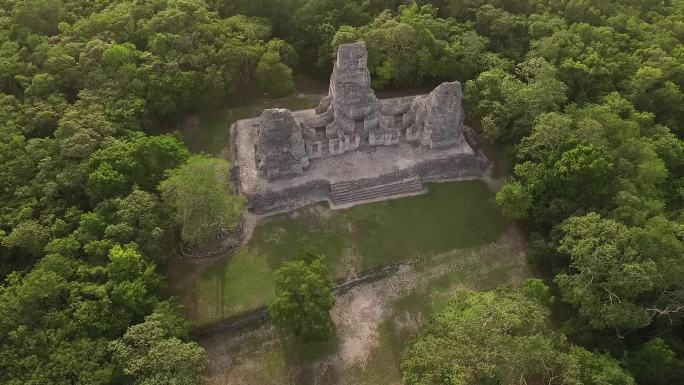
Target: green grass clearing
378 320
450 216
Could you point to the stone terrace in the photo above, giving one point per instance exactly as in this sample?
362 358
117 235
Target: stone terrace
367 164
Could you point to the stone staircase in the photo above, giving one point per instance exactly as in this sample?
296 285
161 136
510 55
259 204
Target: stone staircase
343 193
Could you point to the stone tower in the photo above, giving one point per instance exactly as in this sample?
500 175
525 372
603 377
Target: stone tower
438 117
351 110
279 145
356 109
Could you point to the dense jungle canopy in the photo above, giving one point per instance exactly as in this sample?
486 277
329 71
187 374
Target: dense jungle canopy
582 100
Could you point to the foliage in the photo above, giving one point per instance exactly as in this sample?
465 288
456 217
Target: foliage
199 195
507 105
139 161
586 94
651 362
56 319
274 77
414 47
81 219
598 369
622 277
303 298
152 353
594 158
501 337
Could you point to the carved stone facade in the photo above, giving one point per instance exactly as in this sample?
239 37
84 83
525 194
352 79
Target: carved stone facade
351 116
279 147
353 147
437 119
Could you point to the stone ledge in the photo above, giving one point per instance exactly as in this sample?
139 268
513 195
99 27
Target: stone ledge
285 197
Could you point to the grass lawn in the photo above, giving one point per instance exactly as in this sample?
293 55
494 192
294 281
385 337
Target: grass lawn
374 322
450 216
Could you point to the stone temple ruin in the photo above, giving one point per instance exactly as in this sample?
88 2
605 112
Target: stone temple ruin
353 147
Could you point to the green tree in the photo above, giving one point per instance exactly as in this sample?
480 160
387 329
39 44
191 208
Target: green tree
621 278
502 337
80 132
29 236
140 217
303 298
598 158
507 33
56 320
274 77
507 105
132 281
515 200
414 47
139 160
598 369
152 353
38 16
651 363
201 200
592 60
117 55
651 90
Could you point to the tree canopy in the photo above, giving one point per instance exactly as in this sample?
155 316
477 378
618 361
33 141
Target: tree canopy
583 97
303 298
201 201
502 337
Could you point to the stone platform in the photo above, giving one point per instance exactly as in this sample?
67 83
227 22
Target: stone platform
365 174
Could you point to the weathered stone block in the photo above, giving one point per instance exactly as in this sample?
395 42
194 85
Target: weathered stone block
279 146
439 116
351 103
444 118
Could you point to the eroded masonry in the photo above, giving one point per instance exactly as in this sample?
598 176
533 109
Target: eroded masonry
353 147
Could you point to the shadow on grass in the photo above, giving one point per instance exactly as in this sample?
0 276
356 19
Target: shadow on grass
302 358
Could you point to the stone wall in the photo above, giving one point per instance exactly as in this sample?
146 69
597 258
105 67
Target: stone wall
280 148
426 131
288 199
457 166
436 120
